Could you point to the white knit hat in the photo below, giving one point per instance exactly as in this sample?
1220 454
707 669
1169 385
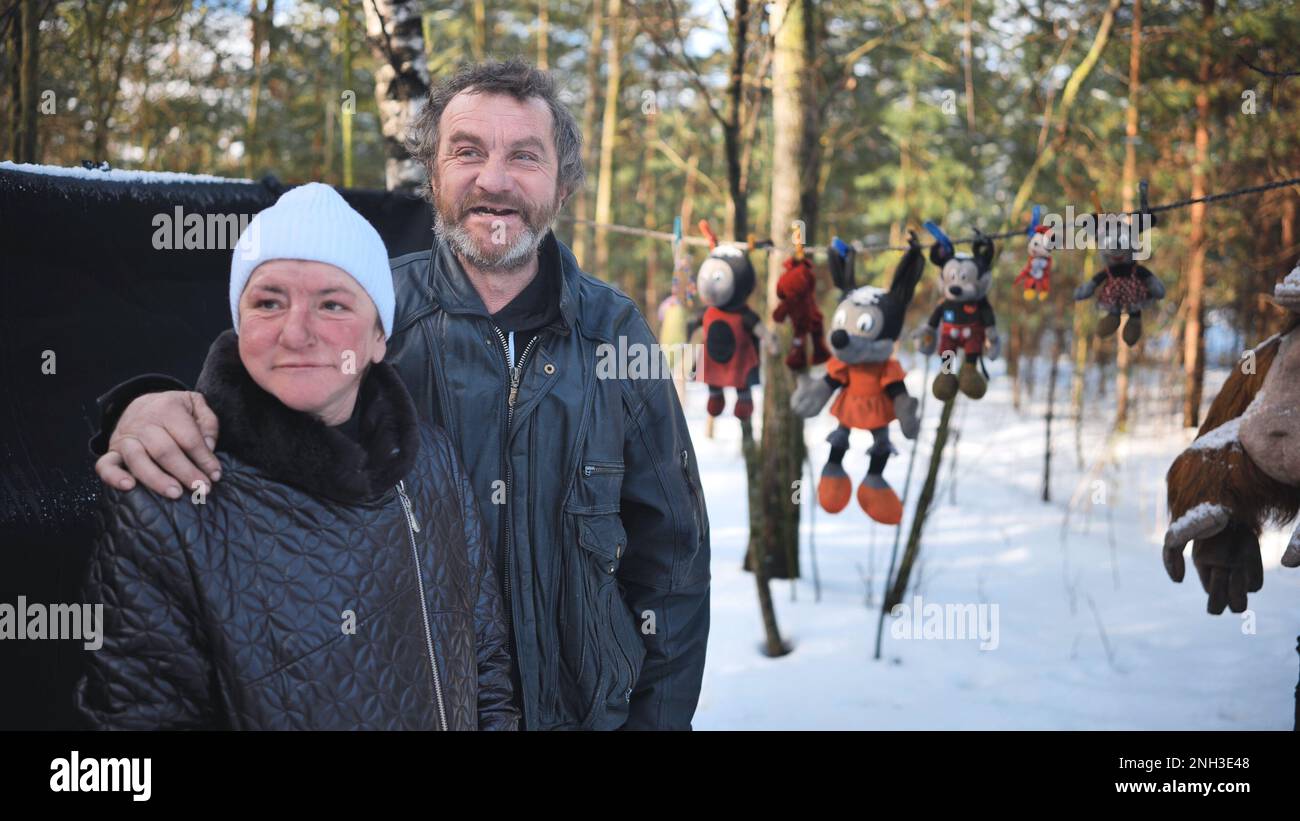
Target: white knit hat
314 223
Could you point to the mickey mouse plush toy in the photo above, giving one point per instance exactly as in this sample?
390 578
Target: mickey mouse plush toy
964 320
1123 286
869 379
731 329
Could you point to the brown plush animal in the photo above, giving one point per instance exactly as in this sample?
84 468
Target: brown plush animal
795 292
1242 471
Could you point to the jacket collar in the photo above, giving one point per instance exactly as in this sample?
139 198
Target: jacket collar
455 294
297 448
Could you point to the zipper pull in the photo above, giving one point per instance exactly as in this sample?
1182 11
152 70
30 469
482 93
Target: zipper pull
514 386
406 506
586 471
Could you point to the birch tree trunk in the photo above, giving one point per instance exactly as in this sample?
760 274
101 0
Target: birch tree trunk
396 36
774 514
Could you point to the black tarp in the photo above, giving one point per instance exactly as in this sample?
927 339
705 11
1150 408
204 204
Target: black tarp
82 279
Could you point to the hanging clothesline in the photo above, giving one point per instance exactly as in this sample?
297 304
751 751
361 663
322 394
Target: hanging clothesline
861 245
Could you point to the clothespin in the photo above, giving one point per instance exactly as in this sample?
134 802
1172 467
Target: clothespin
841 247
708 234
749 241
677 229
1035 220
1145 206
797 225
939 236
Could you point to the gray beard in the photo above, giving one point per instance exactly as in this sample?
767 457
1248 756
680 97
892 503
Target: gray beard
511 257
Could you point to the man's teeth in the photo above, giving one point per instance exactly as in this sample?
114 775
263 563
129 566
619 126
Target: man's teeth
498 212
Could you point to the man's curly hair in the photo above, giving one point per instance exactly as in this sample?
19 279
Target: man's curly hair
519 80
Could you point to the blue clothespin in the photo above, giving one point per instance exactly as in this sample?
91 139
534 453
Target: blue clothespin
939 236
1035 220
841 247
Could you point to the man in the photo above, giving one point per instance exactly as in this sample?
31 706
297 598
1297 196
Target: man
588 486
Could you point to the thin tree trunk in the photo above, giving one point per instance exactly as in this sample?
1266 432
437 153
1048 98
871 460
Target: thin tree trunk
260 20
1123 356
27 148
1079 373
13 131
898 586
968 60
738 195
345 27
478 43
774 519
1058 343
608 141
396 34
543 34
1014 346
1194 332
582 199
649 196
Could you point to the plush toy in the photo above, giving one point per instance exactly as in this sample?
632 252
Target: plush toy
964 320
869 380
675 310
731 330
1242 471
1123 286
1036 276
796 292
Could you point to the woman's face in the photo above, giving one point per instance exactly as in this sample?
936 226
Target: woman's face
307 334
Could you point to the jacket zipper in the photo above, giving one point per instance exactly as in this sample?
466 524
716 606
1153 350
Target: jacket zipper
695 498
413 527
515 374
589 470
627 662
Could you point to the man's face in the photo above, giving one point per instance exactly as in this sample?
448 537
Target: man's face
495 178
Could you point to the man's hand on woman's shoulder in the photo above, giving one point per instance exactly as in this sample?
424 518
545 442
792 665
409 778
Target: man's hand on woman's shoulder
165 441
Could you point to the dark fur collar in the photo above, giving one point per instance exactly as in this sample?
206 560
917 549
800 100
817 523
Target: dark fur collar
297 448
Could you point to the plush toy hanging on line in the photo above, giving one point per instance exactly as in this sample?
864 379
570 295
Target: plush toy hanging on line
964 320
675 310
731 330
1123 286
1036 276
1242 472
869 379
795 291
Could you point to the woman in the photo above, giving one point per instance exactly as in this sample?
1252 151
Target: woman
336 577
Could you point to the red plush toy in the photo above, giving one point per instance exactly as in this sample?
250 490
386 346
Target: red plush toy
796 292
1036 276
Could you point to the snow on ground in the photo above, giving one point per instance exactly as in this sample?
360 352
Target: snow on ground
1091 633
115 174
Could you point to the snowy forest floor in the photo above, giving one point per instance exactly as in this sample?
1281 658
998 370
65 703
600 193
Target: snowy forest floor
1091 632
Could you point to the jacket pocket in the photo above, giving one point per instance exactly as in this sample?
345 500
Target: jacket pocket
601 651
598 488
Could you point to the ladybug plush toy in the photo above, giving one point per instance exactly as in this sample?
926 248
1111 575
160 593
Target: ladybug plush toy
731 329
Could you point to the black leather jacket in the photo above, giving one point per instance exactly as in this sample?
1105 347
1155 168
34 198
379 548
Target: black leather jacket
323 583
588 486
